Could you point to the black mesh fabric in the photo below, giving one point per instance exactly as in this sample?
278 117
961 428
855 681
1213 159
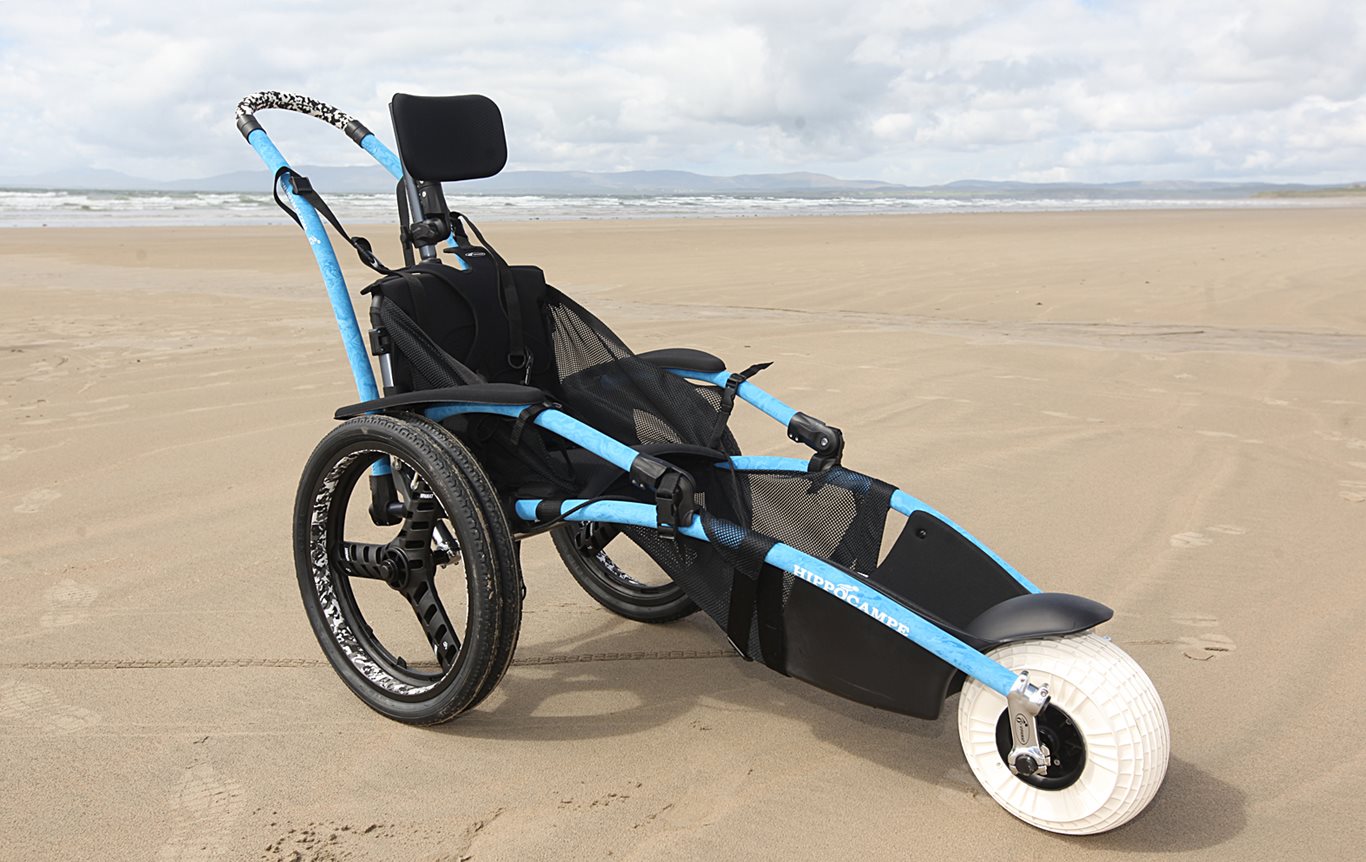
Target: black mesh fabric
431 367
835 514
603 383
838 515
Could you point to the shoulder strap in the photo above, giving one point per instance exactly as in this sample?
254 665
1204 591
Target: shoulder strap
519 357
304 189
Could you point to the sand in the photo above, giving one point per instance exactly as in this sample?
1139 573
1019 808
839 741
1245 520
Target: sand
1163 410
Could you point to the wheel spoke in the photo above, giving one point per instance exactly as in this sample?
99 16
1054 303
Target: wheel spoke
431 615
362 559
415 536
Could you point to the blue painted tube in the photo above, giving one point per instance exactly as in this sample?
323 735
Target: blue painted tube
333 280
780 412
839 584
767 462
906 504
381 466
612 511
383 155
561 424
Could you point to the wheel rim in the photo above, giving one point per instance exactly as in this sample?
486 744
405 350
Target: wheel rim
591 539
424 547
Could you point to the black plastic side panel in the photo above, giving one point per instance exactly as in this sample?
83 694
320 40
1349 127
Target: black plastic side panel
834 646
474 393
935 567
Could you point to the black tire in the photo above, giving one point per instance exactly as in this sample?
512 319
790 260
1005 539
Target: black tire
611 586
444 532
507 553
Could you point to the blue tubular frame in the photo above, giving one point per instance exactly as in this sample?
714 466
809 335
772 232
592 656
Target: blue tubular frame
861 594
326 257
561 424
817 572
777 410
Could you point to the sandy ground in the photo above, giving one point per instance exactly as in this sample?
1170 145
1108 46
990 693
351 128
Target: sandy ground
1165 411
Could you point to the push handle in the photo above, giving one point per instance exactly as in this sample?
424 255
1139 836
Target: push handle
247 108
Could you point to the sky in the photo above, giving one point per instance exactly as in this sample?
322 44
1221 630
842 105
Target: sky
910 92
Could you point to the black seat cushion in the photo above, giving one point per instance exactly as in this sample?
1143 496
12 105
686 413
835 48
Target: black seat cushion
447 138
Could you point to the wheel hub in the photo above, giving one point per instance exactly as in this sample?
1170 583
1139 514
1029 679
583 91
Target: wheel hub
395 569
1059 736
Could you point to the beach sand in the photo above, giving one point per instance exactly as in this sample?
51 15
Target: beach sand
1165 411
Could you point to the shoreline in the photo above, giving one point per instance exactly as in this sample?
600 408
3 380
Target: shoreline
105 219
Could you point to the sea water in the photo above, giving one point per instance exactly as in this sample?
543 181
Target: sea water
93 208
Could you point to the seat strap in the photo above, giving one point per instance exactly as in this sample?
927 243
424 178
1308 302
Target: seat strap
519 357
755 588
728 393
304 189
528 416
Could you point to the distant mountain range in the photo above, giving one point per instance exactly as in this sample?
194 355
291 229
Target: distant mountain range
589 183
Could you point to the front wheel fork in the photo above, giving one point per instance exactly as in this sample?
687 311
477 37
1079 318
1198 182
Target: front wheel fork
1024 702
386 509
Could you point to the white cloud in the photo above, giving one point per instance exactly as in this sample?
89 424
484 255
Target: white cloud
911 91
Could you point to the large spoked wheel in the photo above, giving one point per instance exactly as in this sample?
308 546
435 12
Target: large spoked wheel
417 609
1105 729
647 596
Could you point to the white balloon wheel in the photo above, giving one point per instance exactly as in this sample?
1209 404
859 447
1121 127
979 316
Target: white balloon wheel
1116 709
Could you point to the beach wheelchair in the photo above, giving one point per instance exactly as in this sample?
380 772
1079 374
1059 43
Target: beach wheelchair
508 410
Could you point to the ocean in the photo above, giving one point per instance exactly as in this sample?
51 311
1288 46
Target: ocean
75 208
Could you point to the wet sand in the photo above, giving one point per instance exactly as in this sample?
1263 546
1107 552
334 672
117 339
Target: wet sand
1165 411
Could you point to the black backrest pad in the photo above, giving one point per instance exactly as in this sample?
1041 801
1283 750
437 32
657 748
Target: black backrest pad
447 138
463 312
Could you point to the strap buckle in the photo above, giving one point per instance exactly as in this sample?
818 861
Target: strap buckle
669 506
674 493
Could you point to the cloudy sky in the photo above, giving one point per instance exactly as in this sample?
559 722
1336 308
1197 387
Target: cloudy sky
914 92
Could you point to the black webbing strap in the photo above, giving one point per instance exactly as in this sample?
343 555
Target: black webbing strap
744 594
528 416
303 188
755 586
518 356
770 609
761 591
728 393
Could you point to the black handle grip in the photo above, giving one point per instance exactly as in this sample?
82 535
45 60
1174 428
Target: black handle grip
247 108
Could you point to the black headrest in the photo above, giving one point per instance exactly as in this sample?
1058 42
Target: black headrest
446 138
